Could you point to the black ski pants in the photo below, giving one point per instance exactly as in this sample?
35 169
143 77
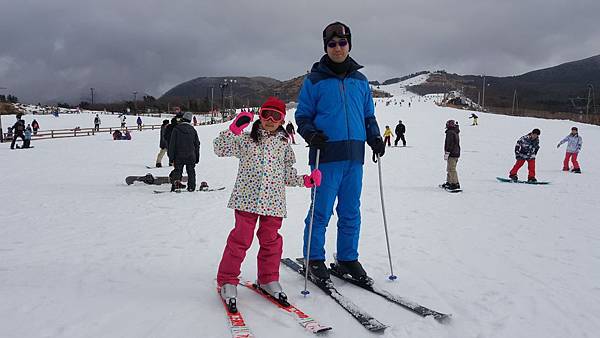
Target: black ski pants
177 174
400 137
12 144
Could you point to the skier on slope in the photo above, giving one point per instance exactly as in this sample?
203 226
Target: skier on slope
474 117
169 129
163 144
291 131
451 155
336 115
387 136
19 131
97 123
400 130
258 195
184 150
574 143
139 123
525 151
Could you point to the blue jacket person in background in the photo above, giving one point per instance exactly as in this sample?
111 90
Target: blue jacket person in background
336 114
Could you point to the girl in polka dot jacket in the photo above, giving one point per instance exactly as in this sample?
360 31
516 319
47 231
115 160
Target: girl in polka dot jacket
266 168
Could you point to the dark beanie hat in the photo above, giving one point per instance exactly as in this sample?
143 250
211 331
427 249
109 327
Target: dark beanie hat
536 131
336 29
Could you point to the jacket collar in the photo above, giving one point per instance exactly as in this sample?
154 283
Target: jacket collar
321 67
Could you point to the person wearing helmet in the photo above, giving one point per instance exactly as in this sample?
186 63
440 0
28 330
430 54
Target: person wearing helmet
451 155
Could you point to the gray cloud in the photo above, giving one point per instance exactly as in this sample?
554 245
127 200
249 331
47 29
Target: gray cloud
58 49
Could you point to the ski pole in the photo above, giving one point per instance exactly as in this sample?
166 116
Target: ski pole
310 226
387 238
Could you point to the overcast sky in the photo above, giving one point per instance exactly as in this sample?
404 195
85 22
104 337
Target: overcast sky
55 49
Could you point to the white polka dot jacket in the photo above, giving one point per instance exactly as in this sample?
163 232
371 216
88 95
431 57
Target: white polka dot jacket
265 169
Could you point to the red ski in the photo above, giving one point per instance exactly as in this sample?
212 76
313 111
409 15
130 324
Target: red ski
306 321
237 325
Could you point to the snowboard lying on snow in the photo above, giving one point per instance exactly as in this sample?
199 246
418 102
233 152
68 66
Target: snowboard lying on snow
150 179
508 180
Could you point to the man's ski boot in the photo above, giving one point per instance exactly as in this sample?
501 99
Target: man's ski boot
229 295
159 165
532 180
513 177
203 186
354 270
274 290
319 271
444 185
576 170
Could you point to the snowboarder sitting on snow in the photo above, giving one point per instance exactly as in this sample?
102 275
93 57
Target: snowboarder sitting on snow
525 151
184 150
258 195
387 136
573 147
117 135
451 155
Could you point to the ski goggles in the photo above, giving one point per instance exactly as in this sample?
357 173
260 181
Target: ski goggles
270 114
336 30
342 43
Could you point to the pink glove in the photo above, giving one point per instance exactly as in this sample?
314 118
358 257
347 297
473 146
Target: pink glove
240 122
313 180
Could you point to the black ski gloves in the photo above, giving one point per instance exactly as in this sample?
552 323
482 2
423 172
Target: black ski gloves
377 146
318 140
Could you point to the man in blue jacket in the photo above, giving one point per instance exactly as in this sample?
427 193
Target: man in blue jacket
335 114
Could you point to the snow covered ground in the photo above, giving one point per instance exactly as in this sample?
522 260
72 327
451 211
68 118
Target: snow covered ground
84 255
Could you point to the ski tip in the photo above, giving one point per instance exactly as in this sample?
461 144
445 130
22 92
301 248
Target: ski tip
442 317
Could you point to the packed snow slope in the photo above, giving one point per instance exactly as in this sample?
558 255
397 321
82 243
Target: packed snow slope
84 255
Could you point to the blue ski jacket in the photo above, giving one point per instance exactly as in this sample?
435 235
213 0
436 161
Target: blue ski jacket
342 108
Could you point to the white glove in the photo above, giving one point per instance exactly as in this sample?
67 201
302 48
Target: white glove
446 155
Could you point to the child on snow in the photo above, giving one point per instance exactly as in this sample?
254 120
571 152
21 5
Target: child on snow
266 168
573 147
525 151
387 136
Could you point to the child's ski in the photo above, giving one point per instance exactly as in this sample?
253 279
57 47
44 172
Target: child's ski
237 325
306 321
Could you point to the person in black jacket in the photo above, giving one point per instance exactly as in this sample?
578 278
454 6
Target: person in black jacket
184 150
19 130
400 130
163 144
169 129
451 155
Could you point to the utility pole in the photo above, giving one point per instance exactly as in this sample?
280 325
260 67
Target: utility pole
483 95
134 103
591 97
92 90
212 99
514 101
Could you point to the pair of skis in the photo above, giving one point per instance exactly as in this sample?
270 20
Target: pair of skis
239 328
184 190
365 319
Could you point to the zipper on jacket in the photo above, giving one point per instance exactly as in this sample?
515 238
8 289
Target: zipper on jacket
343 89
